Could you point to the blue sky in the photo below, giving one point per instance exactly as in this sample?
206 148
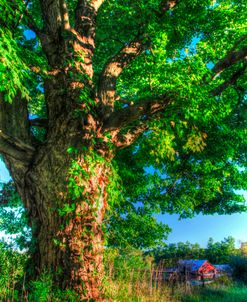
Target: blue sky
4 174
197 229
201 227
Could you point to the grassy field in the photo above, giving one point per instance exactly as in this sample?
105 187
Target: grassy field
127 279
218 294
140 288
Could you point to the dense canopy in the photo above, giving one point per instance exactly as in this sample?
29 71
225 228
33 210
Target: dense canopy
124 107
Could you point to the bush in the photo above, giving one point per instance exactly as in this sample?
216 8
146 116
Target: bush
11 272
42 290
239 266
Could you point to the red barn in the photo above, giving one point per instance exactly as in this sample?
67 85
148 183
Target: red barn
197 269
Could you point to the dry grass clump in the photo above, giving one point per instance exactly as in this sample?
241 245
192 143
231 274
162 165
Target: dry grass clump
139 287
134 278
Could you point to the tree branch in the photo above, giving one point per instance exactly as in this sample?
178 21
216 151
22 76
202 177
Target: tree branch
32 25
85 28
15 148
52 40
237 43
39 122
114 67
124 140
230 59
21 16
52 17
64 14
141 112
142 109
14 126
85 19
218 90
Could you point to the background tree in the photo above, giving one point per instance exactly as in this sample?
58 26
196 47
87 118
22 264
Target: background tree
221 252
171 253
104 91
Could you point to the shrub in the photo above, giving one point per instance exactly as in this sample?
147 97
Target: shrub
11 272
239 266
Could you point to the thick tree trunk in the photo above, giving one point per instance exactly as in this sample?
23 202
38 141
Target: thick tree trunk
63 186
66 200
65 193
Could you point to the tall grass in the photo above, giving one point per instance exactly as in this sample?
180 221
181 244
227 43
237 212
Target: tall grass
137 286
11 274
129 277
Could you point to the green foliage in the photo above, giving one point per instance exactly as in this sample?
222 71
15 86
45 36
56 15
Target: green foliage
239 266
13 219
171 253
11 75
15 287
41 289
128 278
11 272
220 252
197 145
125 260
78 175
215 252
193 157
184 180
138 228
182 46
17 54
218 293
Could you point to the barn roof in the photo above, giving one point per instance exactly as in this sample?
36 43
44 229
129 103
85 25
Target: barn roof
192 265
223 267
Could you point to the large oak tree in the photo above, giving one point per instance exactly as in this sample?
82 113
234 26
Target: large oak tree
124 107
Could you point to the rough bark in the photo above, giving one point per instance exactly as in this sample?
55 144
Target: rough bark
66 198
15 140
65 194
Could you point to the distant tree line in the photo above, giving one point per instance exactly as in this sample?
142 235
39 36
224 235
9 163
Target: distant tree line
215 252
